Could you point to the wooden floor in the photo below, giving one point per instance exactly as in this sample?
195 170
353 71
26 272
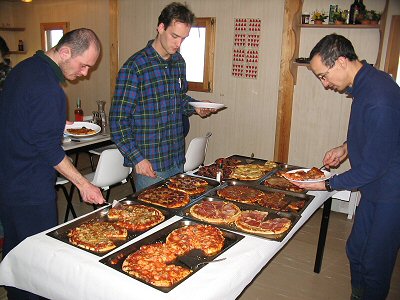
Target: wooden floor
290 274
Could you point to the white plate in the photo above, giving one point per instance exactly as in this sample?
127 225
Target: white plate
207 105
77 125
327 175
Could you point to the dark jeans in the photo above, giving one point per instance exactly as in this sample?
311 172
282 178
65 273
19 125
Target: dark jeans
20 222
372 248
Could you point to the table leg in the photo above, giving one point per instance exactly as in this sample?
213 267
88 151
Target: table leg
322 234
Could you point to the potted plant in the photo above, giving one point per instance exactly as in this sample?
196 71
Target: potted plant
318 17
339 17
374 16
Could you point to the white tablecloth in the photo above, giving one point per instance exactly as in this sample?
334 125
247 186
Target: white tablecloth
55 270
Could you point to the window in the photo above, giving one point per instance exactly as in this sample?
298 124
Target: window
198 51
51 33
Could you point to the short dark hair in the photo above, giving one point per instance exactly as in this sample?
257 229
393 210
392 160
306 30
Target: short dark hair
331 47
4 50
176 11
79 40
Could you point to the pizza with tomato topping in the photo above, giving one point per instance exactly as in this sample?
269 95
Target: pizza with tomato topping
97 236
136 217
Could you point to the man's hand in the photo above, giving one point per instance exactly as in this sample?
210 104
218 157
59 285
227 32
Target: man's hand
315 186
335 156
205 112
91 194
145 168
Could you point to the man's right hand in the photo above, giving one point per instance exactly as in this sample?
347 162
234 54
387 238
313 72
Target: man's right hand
145 168
91 194
335 156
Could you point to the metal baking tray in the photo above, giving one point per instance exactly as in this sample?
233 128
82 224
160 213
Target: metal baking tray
61 233
212 184
190 260
290 197
243 161
243 206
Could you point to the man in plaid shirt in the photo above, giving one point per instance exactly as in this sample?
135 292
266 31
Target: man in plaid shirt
150 99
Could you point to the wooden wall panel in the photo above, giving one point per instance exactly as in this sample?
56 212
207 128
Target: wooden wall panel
93 14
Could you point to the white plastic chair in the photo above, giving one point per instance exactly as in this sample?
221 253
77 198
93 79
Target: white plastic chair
98 151
110 171
196 152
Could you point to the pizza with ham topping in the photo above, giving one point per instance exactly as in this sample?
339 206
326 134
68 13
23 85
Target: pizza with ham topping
255 221
219 212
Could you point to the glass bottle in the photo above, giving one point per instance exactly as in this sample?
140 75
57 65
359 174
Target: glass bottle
102 113
20 45
354 12
78 111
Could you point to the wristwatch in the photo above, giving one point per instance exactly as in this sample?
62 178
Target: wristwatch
328 185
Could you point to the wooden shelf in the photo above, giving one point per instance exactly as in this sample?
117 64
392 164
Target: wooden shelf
17 52
348 26
301 64
12 28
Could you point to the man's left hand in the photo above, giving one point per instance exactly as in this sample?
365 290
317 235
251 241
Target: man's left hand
205 112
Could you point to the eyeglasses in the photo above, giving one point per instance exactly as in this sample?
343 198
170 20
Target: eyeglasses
322 76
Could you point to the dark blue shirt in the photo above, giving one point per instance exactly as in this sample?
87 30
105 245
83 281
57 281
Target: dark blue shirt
32 121
373 138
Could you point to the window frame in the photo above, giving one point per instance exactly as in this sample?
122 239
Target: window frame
208 76
64 26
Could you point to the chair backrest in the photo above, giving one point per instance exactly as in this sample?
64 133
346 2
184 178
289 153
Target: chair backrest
110 169
196 152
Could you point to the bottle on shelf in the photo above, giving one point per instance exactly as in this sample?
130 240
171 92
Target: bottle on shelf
78 111
20 45
354 12
362 8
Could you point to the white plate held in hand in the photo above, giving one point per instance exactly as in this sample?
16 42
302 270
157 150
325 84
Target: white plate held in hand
326 173
210 105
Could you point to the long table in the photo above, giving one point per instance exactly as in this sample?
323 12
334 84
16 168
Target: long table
85 144
55 270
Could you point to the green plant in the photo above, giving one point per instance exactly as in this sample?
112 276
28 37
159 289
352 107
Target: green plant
339 16
373 15
318 15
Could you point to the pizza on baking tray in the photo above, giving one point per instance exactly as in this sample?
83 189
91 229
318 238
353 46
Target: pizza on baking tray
313 173
220 212
165 197
97 236
136 217
281 183
255 221
187 184
240 193
252 171
154 263
296 205
151 263
225 164
273 200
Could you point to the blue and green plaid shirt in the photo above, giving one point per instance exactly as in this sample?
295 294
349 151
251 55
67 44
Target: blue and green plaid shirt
147 107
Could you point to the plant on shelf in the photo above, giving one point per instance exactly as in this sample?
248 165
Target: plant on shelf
339 17
374 16
319 17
